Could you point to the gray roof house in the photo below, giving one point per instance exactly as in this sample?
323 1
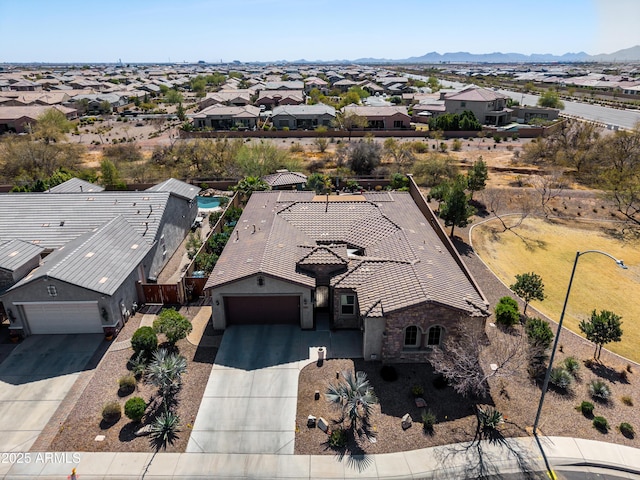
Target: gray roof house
224 118
303 117
285 180
70 261
76 185
372 262
489 106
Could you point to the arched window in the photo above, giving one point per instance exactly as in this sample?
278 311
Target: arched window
411 336
434 337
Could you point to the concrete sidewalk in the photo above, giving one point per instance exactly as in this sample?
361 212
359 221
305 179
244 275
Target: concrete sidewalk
510 458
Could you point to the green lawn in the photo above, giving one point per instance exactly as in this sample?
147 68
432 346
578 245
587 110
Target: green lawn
549 249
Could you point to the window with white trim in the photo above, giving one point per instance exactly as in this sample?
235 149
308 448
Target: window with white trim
51 290
347 304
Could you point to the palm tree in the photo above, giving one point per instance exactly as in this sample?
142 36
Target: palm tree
354 397
165 372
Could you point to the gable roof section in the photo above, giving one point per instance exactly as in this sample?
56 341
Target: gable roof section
51 221
15 253
281 178
294 110
323 255
76 185
99 260
177 188
475 94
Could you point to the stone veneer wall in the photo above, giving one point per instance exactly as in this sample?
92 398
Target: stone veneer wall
424 316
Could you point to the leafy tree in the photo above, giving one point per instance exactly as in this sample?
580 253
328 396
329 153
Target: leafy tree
364 156
319 182
455 208
401 153
399 182
602 328
354 397
477 176
248 185
349 121
435 169
262 158
539 332
52 126
174 326
193 244
528 286
173 96
550 99
506 312
109 171
180 112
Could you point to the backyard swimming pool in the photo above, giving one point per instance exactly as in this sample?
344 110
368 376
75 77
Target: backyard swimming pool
205 203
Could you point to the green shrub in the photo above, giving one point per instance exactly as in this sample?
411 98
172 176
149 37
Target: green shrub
506 312
428 420
173 325
599 390
338 438
144 340
127 384
560 378
601 424
572 366
626 429
539 332
627 400
417 390
456 145
111 412
138 364
490 418
134 408
586 408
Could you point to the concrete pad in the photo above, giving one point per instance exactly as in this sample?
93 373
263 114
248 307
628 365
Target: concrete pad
129 464
268 442
163 464
196 465
95 464
229 465
630 457
27 415
210 441
10 388
392 465
17 440
420 463
274 382
294 466
261 466
325 466
228 414
360 466
600 452
54 388
229 383
25 470
564 448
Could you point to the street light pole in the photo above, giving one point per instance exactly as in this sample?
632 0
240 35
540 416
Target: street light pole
545 385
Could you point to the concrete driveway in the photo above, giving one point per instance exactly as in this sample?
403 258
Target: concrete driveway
34 379
249 405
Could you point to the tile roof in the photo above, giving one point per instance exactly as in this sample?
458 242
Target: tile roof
176 187
366 111
295 110
282 178
15 253
475 94
217 110
99 260
401 259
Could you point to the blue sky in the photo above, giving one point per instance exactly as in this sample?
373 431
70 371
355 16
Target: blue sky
269 30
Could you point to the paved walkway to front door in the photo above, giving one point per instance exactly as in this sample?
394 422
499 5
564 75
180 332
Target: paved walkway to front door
249 405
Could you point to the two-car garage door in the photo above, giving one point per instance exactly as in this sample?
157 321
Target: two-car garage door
62 317
273 309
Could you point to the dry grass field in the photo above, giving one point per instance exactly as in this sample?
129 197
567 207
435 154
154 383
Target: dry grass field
549 248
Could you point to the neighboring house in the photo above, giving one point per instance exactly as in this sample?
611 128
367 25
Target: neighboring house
20 99
272 98
524 114
25 86
382 118
95 101
236 98
221 117
307 117
286 180
76 185
75 259
489 106
284 85
315 82
344 84
377 262
18 119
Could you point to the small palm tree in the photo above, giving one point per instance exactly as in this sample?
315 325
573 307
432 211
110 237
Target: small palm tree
165 372
354 397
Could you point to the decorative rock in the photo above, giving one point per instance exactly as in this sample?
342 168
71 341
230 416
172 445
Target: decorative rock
406 421
323 425
99 438
311 421
421 402
146 430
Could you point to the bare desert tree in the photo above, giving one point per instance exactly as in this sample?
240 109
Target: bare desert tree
510 210
548 187
460 359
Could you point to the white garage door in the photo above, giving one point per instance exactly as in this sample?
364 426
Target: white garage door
63 317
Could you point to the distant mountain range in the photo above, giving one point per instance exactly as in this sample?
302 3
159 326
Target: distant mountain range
626 55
